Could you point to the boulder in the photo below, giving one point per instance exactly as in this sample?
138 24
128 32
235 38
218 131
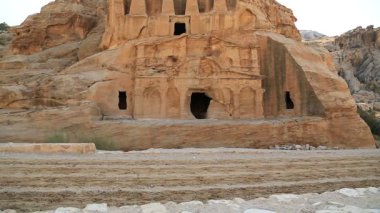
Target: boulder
67 210
153 208
96 208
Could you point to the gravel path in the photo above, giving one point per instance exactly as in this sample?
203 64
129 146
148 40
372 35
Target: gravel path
31 182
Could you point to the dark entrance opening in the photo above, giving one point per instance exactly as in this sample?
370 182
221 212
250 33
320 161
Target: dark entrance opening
289 101
122 100
199 105
179 28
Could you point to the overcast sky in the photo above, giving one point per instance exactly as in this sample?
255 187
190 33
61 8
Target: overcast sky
330 17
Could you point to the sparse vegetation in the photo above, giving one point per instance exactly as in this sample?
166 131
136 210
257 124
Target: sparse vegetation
2 41
4 27
5 38
372 122
58 137
101 143
377 141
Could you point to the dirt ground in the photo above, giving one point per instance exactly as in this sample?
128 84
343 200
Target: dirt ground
31 182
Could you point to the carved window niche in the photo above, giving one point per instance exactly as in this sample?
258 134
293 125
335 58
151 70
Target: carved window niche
123 100
180 25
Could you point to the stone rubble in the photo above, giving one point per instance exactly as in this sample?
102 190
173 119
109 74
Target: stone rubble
301 147
360 200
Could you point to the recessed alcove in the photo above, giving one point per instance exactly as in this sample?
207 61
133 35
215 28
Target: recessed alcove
123 100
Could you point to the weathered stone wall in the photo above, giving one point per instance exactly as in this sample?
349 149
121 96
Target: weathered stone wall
128 20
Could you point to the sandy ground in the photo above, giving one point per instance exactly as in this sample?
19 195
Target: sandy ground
32 182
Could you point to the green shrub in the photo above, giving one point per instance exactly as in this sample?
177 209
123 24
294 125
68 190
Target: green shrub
377 140
101 143
371 120
4 26
58 137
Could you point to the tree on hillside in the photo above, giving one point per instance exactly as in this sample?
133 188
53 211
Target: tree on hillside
4 26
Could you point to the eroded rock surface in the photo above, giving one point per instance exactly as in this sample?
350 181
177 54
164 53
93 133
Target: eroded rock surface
239 65
58 23
357 58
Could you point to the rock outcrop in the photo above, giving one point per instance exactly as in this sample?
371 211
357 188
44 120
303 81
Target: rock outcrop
357 57
310 35
61 22
237 65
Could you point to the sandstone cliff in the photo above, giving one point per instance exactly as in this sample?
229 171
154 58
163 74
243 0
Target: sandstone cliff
260 85
61 22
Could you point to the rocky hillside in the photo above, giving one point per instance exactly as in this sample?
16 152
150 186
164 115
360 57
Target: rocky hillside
61 22
63 33
357 56
310 35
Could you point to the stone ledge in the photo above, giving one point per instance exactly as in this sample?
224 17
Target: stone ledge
77 148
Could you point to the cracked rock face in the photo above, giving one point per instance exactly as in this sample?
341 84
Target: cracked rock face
358 60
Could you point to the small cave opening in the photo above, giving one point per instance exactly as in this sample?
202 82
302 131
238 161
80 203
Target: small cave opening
289 101
199 105
123 100
179 28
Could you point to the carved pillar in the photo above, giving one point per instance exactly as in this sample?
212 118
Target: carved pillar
168 7
192 7
184 106
164 102
259 110
220 6
138 101
138 7
236 103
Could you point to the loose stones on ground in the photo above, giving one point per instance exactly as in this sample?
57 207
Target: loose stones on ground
361 200
301 147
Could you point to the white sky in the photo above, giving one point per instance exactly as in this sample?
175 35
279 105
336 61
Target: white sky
334 17
330 17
